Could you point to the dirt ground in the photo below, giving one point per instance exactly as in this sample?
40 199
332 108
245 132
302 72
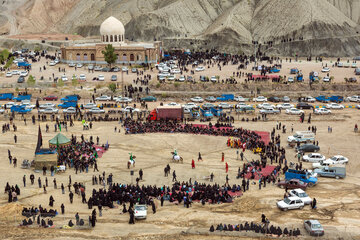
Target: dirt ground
338 200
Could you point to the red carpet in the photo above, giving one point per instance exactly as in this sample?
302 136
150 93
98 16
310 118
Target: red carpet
207 126
264 172
265 136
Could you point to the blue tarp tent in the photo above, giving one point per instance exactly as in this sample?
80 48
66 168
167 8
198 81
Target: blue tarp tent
23 64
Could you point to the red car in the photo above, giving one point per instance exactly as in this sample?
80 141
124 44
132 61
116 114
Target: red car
292 184
50 98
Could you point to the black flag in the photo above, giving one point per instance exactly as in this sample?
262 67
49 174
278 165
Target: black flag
39 142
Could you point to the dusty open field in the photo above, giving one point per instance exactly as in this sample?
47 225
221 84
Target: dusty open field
338 200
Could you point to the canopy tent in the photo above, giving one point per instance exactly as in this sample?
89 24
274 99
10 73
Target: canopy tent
60 140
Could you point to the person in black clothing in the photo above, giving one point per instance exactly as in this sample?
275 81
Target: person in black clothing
141 174
71 196
70 224
132 217
212 228
51 201
62 209
162 200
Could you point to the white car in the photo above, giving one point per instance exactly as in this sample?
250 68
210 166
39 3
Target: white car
286 99
130 109
79 65
322 111
294 111
140 211
96 110
49 110
27 104
181 79
64 78
298 192
242 105
9 105
313 157
47 105
334 106
103 98
290 203
15 72
8 74
326 79
199 69
351 99
265 105
123 99
290 79
269 111
89 105
72 64
325 69
97 68
70 110
213 79
197 99
23 73
224 105
239 99
101 78
52 63
82 77
124 69
284 106
310 99
337 159
171 78
175 71
190 105
260 99
2 111
172 104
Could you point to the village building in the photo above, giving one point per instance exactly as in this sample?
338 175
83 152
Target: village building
112 32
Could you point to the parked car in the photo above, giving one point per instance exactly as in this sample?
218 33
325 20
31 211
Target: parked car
224 105
190 105
197 99
97 68
15 72
47 105
335 172
181 79
294 111
79 65
140 211
101 78
260 99
310 99
96 110
290 79
148 99
207 106
130 109
82 77
322 111
8 74
325 69
21 79
64 78
292 184
103 98
123 100
210 99
305 176
89 105
286 99
313 157
213 79
314 228
265 105
23 73
52 63
303 105
124 69
90 67
298 192
72 64
70 110
354 98
326 79
50 98
270 111
274 99
239 99
290 203
334 106
308 148
49 110
199 69
338 159
285 106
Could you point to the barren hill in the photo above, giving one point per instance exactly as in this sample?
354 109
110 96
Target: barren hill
227 24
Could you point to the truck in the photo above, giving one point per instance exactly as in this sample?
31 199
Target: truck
71 98
67 105
20 109
301 137
335 172
305 176
337 99
6 96
166 112
206 113
20 98
226 97
322 99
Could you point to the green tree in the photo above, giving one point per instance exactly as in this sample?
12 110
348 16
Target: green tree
74 81
31 80
112 87
109 54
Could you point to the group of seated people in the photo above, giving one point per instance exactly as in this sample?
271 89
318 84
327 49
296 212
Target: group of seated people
29 212
257 228
29 222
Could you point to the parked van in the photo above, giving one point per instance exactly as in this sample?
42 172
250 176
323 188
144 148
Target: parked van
335 172
302 137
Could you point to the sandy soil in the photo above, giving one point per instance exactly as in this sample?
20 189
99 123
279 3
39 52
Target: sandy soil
338 200
59 36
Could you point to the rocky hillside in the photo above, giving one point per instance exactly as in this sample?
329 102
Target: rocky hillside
231 25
